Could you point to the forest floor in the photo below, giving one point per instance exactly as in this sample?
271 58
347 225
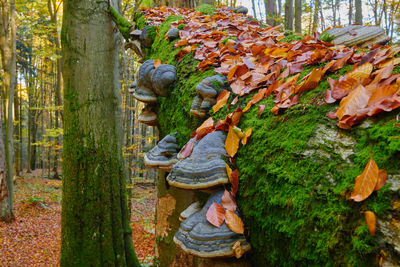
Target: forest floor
34 237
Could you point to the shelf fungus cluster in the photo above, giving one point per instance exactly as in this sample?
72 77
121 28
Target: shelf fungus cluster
199 237
152 81
206 92
163 155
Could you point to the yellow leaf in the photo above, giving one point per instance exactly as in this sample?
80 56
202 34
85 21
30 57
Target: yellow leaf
237 249
248 106
246 136
228 171
232 142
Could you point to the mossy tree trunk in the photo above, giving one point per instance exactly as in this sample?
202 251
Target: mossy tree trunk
95 222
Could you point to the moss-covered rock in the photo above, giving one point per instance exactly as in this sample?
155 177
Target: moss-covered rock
205 9
297 172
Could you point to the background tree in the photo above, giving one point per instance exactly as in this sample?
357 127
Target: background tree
8 56
289 14
95 222
358 13
297 15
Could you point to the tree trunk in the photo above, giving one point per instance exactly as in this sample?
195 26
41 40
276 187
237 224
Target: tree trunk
8 55
270 11
358 14
350 11
297 14
315 15
253 6
289 14
5 209
95 222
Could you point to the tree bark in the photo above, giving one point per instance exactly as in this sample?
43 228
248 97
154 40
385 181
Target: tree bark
8 55
350 11
315 15
297 14
289 14
95 222
270 11
358 14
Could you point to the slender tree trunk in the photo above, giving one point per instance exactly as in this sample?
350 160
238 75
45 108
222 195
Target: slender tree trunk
297 14
289 14
315 15
350 11
5 209
333 12
17 135
95 221
253 6
8 56
358 14
270 12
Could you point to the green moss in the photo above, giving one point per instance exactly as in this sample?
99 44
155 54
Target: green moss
205 9
291 36
162 48
140 21
228 38
181 26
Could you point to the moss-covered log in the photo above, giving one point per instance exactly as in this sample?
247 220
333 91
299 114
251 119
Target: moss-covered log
95 218
297 172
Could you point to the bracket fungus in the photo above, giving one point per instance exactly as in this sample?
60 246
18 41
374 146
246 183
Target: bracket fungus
173 33
207 91
162 77
163 155
204 168
242 10
145 36
192 209
352 35
148 116
198 237
143 90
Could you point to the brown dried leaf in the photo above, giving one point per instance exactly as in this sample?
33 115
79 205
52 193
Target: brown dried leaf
228 202
366 182
370 218
357 99
186 150
234 223
205 128
381 180
237 249
246 136
215 214
157 63
261 108
310 82
234 179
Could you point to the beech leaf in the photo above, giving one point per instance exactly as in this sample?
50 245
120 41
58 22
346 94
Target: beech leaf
215 214
366 182
222 99
381 180
246 136
232 142
234 223
227 201
186 150
370 218
234 179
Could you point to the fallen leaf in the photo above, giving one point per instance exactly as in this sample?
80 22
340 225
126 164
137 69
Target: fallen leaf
310 82
237 249
234 179
246 136
234 223
366 182
222 99
370 218
227 201
232 142
357 99
215 214
260 109
186 150
381 180
228 171
157 63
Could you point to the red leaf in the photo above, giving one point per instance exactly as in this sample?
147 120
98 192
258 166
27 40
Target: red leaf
234 179
215 214
186 150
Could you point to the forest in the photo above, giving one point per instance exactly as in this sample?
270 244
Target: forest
200 133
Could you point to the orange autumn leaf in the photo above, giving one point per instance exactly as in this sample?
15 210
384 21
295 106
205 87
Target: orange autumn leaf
232 142
227 201
157 63
381 180
370 218
205 128
365 183
357 99
222 99
234 223
361 72
246 136
310 82
215 214
248 106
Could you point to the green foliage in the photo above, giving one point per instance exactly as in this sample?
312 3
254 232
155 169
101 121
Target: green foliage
326 37
291 36
140 21
205 9
124 26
